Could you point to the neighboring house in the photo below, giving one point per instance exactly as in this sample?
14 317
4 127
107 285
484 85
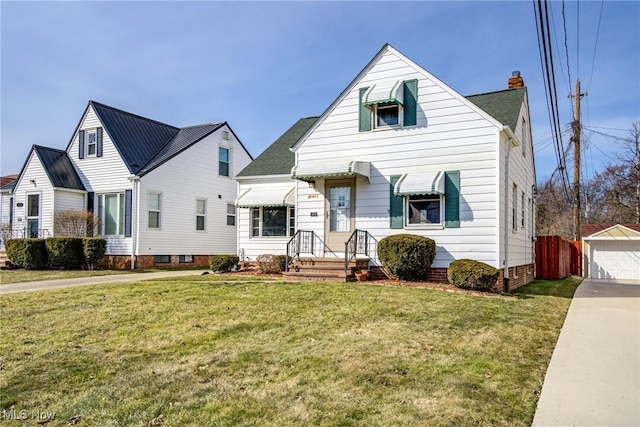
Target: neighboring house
611 251
399 151
163 195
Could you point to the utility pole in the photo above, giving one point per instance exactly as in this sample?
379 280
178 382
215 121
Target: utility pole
577 130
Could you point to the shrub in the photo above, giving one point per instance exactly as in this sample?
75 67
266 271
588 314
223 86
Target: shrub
94 249
27 253
222 263
65 252
407 256
270 263
471 274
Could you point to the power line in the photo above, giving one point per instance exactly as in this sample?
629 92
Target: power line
566 49
595 47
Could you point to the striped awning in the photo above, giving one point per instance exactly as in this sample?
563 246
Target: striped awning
384 92
420 183
308 171
271 196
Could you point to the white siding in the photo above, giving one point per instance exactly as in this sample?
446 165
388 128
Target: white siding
450 135
34 180
5 208
254 246
188 176
106 174
68 200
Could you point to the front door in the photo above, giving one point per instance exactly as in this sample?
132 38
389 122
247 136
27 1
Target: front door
33 215
339 215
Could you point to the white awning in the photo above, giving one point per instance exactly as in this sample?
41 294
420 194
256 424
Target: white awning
271 196
384 92
308 171
420 183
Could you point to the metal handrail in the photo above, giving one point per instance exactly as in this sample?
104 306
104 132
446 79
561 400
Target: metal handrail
302 241
42 233
358 243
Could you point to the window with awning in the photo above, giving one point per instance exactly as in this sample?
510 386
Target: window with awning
270 196
420 184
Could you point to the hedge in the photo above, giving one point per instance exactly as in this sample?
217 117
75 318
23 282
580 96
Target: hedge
407 256
472 274
223 263
94 249
65 252
27 253
270 263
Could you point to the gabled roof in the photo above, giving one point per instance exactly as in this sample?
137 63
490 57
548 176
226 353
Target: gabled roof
9 186
145 144
590 229
59 168
278 159
503 105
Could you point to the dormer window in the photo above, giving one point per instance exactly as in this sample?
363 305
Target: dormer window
388 104
92 142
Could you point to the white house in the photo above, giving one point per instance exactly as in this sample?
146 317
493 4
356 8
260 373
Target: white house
399 151
164 195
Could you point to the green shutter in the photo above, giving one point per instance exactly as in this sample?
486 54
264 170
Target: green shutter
452 199
410 103
365 114
395 205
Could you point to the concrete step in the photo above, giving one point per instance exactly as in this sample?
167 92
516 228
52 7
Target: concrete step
314 275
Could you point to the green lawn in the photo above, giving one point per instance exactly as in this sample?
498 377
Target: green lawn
21 275
207 351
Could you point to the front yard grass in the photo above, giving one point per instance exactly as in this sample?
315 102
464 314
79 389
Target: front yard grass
205 351
22 275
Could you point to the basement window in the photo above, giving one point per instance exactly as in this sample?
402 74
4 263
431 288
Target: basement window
162 259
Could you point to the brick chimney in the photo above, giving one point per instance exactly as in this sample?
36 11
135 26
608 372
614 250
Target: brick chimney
515 81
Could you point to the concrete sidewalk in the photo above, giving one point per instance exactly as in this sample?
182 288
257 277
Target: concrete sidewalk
95 280
594 375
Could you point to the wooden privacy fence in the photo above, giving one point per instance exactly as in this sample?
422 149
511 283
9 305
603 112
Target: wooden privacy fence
557 258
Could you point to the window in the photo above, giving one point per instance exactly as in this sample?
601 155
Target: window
522 209
272 221
162 259
154 210
514 211
223 161
92 142
424 209
231 214
387 114
185 258
201 213
225 135
111 214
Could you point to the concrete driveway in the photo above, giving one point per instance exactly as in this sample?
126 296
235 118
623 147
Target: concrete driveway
96 280
594 375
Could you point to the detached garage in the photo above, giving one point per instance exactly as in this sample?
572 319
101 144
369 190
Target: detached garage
611 251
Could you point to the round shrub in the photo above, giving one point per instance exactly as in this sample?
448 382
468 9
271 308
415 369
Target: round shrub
222 263
65 252
270 263
472 274
94 250
407 256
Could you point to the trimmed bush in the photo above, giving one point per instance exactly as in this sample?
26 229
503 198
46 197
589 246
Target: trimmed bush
223 263
270 263
407 256
472 274
65 252
94 249
27 253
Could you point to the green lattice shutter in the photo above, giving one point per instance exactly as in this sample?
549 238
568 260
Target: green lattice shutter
452 199
395 205
410 103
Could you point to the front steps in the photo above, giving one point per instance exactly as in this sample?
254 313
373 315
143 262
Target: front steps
4 260
316 268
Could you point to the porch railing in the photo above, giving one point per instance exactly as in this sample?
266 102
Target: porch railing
40 233
358 244
302 242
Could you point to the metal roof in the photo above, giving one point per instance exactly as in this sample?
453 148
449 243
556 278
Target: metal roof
59 168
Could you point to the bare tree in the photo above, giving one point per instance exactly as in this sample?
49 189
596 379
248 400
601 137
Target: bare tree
76 223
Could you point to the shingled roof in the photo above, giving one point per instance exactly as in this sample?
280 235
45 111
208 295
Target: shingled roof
145 144
503 105
58 167
277 159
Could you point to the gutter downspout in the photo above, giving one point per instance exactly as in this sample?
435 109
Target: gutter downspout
505 261
134 218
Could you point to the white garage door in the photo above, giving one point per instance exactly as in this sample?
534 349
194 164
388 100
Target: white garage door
615 259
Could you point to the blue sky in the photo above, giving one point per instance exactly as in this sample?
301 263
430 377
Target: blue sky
262 65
